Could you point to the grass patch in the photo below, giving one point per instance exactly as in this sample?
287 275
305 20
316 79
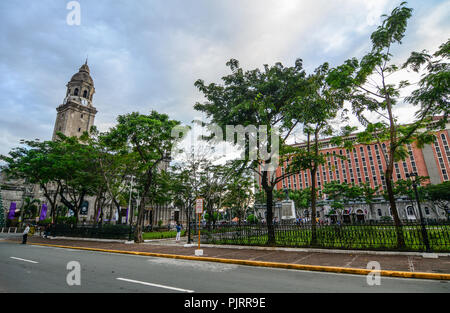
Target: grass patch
161 234
338 237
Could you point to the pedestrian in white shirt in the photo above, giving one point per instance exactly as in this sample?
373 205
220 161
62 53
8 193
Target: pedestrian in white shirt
25 234
178 233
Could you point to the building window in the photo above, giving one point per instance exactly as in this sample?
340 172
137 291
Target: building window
410 210
85 94
75 92
379 212
427 211
79 129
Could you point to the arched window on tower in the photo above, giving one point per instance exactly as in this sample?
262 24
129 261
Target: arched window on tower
75 92
85 94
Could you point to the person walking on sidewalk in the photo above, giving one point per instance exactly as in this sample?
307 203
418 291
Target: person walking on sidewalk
178 233
25 234
47 230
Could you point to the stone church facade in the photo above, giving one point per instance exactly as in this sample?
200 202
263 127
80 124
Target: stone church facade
75 116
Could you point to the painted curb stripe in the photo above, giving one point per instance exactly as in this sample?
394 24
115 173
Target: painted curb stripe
319 268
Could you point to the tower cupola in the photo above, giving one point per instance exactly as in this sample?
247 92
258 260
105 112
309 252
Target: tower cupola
80 88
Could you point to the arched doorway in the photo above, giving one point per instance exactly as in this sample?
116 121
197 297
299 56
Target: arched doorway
346 217
176 215
410 214
359 216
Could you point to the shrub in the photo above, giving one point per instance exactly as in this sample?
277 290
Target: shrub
161 235
252 219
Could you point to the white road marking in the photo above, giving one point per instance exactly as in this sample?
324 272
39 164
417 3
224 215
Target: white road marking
23 260
302 258
351 261
411 264
154 285
195 265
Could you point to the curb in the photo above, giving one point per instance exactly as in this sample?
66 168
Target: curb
342 270
335 251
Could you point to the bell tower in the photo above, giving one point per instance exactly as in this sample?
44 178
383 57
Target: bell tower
76 114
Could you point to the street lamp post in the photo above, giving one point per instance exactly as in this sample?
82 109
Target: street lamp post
130 212
422 223
129 201
189 224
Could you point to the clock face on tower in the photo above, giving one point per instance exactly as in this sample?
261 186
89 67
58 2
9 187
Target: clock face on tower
83 102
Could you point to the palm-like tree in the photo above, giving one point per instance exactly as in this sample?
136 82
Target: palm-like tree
30 207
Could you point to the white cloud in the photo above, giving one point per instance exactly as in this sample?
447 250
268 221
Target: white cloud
147 55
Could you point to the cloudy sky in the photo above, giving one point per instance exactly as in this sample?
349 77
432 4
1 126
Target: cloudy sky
147 54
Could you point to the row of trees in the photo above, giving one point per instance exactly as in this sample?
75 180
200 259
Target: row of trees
286 98
137 151
340 195
283 99
2 212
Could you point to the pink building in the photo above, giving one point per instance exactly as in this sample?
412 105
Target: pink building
366 164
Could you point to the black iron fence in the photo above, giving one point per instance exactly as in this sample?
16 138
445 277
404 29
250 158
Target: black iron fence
362 236
100 231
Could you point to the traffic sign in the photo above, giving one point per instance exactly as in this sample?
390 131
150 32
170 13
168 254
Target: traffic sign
199 206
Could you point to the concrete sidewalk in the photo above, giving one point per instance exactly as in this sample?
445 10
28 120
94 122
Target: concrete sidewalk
313 259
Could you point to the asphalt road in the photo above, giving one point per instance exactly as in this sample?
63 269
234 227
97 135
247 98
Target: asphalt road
26 268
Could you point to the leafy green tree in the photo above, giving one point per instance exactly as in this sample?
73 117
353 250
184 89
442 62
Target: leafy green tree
341 194
301 198
159 194
35 163
30 207
432 94
404 187
439 195
252 219
149 136
75 171
256 98
239 193
369 89
368 194
337 193
114 167
214 180
316 108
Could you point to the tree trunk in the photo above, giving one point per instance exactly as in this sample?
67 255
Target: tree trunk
313 207
269 207
391 196
138 231
372 213
140 219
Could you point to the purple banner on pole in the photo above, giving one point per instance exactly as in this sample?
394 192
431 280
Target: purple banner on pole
43 212
12 210
98 214
126 221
